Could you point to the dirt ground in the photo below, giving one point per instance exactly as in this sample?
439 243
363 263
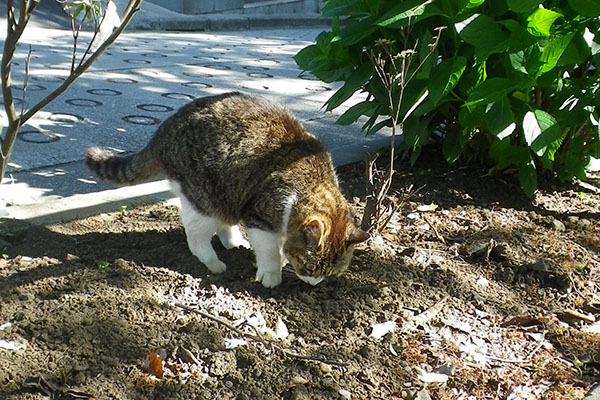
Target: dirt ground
473 292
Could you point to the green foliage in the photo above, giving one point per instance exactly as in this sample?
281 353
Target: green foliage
89 7
103 265
513 83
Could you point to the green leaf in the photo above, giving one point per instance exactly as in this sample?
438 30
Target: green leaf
454 143
586 8
305 57
335 8
519 37
540 21
474 3
523 6
353 113
484 34
405 11
553 51
445 76
513 155
355 32
500 118
528 178
541 132
494 89
355 81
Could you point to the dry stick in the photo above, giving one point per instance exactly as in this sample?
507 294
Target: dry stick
435 231
260 338
14 32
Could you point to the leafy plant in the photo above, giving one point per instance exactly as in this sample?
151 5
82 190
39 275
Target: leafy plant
513 83
102 265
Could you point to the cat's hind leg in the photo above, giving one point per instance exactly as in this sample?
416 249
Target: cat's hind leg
231 237
199 230
268 258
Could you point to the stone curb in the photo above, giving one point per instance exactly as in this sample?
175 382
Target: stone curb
223 22
84 205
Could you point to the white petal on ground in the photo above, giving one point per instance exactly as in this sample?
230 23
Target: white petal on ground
232 343
281 330
427 207
432 377
380 330
12 345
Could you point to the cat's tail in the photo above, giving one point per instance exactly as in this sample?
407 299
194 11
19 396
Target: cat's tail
122 170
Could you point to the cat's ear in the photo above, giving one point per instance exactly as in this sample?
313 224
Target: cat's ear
357 235
314 230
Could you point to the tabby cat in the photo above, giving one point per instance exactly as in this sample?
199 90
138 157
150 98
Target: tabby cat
235 158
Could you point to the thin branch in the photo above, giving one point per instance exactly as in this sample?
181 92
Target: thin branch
258 337
131 9
25 80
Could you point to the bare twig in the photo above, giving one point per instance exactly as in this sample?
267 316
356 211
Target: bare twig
15 30
435 231
258 337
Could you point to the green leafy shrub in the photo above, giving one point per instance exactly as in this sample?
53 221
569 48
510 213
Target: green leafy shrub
514 83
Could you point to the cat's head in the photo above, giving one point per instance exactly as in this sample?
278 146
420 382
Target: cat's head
320 246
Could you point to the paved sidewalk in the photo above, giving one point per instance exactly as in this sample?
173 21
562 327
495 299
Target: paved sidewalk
141 80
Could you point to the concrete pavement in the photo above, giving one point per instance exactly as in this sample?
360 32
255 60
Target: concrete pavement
141 80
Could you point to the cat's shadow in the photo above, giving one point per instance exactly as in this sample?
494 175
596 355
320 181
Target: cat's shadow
164 249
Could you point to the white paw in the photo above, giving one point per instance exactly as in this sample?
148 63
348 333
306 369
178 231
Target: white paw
268 279
216 266
310 280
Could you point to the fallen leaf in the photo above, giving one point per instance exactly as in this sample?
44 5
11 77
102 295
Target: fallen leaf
154 365
593 328
232 343
325 368
427 207
431 377
298 380
12 345
281 330
393 350
382 329
482 281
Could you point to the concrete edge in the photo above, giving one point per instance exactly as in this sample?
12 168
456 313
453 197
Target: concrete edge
84 205
223 22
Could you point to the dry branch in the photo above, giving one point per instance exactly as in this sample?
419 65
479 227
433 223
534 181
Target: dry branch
13 33
258 337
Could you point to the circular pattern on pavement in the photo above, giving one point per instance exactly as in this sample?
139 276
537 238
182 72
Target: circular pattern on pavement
196 85
104 92
178 96
125 81
83 102
137 61
65 117
259 75
141 120
154 107
33 135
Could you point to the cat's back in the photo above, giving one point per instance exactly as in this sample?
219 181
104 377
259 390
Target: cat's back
233 121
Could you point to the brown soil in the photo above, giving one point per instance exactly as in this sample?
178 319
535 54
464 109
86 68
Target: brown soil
491 294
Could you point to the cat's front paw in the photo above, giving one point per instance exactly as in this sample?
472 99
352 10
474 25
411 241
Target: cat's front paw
310 280
216 266
268 279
